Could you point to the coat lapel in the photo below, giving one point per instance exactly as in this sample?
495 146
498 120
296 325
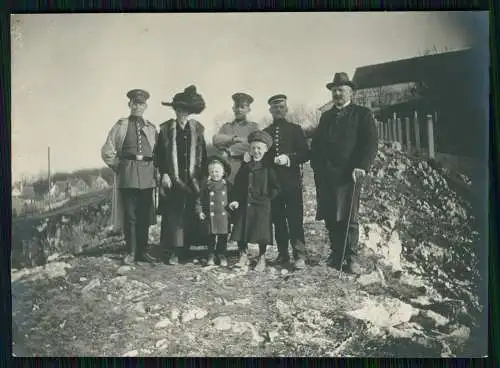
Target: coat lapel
192 148
150 132
173 137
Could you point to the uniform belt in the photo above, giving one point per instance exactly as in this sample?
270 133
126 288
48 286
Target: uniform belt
237 157
137 157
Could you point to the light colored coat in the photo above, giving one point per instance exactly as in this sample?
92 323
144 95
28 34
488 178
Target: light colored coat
110 153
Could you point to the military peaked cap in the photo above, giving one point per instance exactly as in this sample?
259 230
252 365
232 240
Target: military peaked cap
138 95
241 98
276 99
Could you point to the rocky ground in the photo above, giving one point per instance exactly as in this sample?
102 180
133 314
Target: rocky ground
414 293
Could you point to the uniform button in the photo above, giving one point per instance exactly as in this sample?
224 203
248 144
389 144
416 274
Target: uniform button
223 203
211 203
211 193
212 214
249 205
223 213
223 193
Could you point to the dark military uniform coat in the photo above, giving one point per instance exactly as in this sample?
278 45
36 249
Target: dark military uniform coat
213 202
288 139
255 186
345 139
288 209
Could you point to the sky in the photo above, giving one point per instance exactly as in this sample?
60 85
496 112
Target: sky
71 72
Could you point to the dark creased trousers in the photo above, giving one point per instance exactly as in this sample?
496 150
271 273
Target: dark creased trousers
288 212
137 205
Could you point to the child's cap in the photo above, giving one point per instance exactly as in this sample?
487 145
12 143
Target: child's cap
260 136
217 158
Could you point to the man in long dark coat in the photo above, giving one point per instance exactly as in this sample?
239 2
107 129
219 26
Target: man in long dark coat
290 150
128 151
180 155
342 151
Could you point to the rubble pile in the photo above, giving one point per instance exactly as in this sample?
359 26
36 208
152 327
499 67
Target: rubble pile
416 229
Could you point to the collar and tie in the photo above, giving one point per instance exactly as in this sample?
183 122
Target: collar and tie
138 121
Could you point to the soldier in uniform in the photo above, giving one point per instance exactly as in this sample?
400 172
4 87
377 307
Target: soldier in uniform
290 150
180 155
231 139
342 150
128 151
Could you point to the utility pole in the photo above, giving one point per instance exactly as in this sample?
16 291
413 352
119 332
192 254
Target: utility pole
48 161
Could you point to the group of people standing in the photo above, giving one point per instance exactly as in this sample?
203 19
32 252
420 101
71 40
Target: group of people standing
253 182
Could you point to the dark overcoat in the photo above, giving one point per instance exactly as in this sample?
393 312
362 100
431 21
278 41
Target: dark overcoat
179 201
213 202
255 186
345 139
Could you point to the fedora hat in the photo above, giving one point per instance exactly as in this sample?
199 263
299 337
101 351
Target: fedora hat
189 100
340 79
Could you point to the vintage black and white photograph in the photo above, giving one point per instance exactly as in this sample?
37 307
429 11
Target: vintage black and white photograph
250 184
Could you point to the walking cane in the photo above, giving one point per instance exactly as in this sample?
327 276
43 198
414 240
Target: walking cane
348 224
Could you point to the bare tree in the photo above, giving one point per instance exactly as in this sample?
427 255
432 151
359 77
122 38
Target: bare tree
306 117
219 120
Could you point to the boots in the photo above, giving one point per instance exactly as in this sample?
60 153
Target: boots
243 261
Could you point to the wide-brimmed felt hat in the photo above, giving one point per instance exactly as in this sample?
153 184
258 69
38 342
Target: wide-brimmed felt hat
221 160
260 136
340 79
189 100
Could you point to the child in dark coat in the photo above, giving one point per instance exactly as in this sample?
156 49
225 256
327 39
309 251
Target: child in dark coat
255 186
212 208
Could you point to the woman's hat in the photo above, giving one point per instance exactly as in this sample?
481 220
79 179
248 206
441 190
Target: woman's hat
189 100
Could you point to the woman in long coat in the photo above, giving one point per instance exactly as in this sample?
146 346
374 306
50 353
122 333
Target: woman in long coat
180 155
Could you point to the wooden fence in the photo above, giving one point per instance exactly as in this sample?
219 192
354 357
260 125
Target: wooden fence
26 207
415 134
